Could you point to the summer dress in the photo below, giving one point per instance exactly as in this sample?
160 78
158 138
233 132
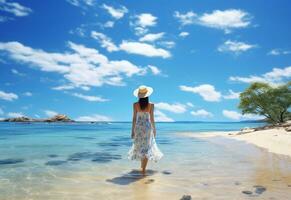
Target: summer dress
144 143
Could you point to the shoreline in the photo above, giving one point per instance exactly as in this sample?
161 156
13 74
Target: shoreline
72 162
275 140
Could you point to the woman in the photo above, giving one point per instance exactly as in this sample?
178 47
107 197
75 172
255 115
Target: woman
143 132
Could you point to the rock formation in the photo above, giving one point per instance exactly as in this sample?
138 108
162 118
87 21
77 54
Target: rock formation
56 118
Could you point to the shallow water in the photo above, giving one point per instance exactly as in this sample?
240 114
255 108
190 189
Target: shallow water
89 161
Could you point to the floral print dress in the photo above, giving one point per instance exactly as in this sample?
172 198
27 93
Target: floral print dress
144 143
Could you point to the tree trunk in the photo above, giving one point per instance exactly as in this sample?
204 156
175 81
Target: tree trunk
282 116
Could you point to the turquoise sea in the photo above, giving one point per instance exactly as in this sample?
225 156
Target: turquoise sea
89 161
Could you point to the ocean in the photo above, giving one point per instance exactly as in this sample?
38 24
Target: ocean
89 161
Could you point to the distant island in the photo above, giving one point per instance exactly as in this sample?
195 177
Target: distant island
56 118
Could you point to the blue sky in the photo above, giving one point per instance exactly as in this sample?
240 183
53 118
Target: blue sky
84 58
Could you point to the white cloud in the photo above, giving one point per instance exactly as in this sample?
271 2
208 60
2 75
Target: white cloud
1 111
278 73
8 96
145 20
235 47
183 34
249 79
144 49
140 30
274 52
162 117
63 87
15 114
151 37
109 24
277 52
90 98
45 61
154 69
81 3
175 108
70 87
207 91
50 113
95 117
274 77
105 41
28 94
16 72
86 88
234 115
167 44
80 31
231 114
232 95
116 13
225 20
186 18
201 113
14 8
190 104
142 22
139 48
81 66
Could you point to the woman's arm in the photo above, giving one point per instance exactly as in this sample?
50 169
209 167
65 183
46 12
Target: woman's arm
153 119
133 121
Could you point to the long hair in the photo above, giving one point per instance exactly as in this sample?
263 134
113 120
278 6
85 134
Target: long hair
143 103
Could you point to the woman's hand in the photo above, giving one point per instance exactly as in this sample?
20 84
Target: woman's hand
132 135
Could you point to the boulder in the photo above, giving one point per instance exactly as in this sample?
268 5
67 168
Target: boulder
59 118
186 197
56 118
18 119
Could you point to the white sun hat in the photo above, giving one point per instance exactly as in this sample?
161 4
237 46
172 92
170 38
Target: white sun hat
143 91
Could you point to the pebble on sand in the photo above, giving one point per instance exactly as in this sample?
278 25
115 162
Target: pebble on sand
166 172
150 181
259 189
186 197
247 192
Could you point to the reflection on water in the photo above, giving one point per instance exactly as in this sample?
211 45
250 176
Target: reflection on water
90 162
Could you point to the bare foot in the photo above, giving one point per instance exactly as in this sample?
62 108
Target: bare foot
143 172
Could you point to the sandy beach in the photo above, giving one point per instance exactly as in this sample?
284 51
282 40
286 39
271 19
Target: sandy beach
275 140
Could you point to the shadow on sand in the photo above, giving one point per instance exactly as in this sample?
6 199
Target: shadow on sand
130 177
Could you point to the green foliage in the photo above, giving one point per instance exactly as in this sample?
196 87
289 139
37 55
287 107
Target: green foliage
271 102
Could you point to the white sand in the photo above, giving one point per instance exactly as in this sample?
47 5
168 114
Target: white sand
275 140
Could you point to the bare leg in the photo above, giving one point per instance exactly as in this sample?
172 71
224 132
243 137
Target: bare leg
141 163
144 165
